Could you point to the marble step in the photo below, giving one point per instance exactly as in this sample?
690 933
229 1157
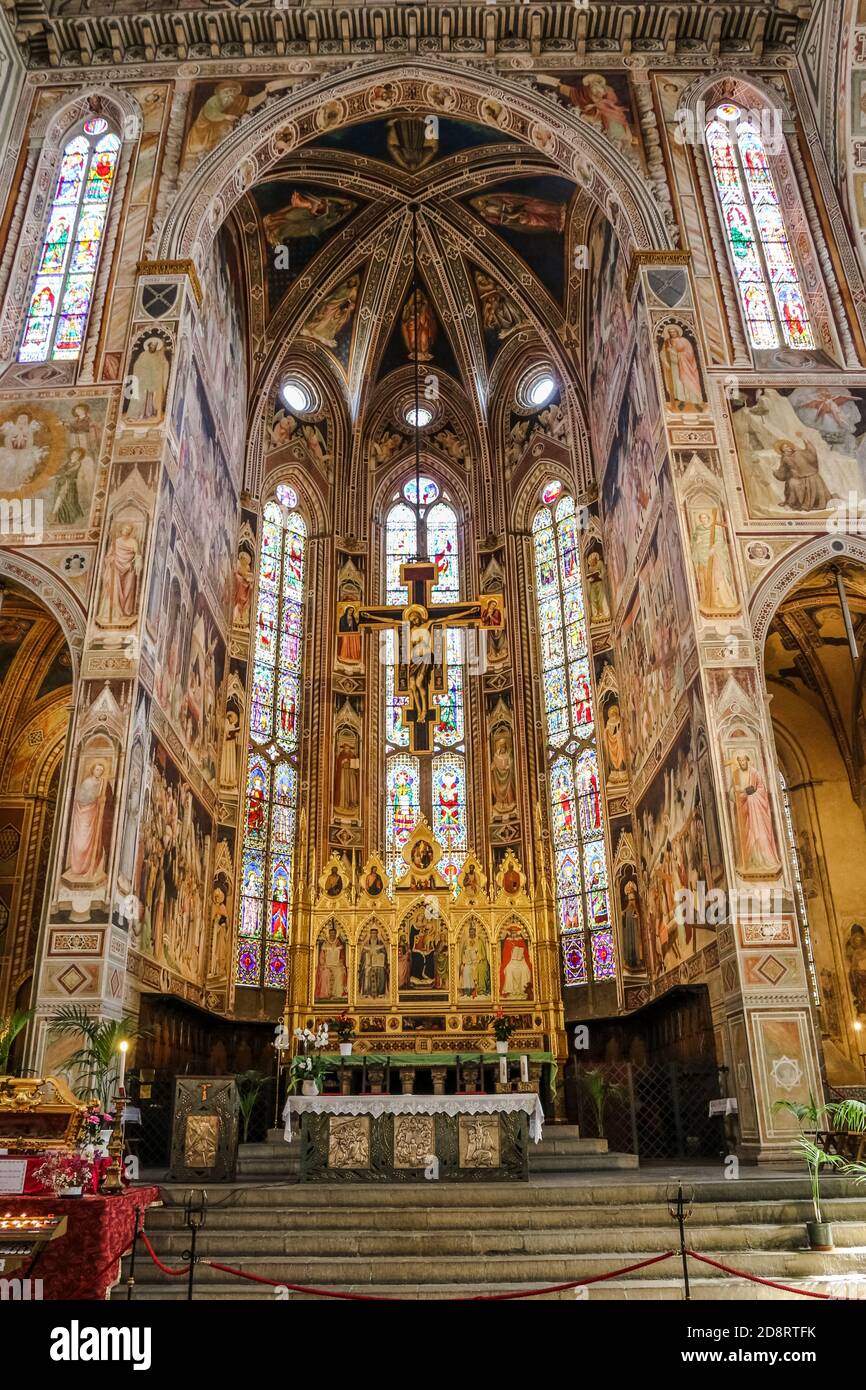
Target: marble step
234 1245
472 1270
375 1216
545 1192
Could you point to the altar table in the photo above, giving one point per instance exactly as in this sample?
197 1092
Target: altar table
85 1262
456 1138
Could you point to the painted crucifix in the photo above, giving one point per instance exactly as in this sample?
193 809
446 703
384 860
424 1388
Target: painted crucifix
421 668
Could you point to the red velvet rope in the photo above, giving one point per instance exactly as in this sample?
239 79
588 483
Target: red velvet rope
480 1297
175 1273
770 1284
392 1298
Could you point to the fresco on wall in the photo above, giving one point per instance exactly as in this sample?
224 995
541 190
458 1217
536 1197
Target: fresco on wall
172 874
190 666
679 851
801 449
650 654
215 109
629 480
602 99
221 344
608 326
49 450
206 495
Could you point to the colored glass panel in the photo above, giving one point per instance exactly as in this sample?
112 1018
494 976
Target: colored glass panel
573 959
402 805
757 238
603 958
428 491
449 814
400 546
551 491
285 495
576 813
56 317
276 967
271 814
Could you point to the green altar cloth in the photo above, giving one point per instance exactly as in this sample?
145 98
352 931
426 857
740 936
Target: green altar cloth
440 1059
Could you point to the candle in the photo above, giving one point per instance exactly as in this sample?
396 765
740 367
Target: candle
124 1046
524 1067
503 1070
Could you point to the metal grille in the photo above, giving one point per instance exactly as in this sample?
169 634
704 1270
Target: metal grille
655 1111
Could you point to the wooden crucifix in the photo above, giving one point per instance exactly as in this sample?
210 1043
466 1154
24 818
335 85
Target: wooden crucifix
421 667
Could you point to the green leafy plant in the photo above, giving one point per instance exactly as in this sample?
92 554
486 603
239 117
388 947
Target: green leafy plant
97 1061
249 1084
308 1068
10 1026
599 1091
812 1117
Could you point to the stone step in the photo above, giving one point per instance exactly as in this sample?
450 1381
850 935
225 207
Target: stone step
378 1216
553 1192
242 1245
618 1290
469 1270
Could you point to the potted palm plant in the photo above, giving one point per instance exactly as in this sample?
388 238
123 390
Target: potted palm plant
811 1118
249 1084
10 1026
599 1090
97 1060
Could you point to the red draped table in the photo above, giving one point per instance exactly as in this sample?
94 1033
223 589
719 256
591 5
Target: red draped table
85 1263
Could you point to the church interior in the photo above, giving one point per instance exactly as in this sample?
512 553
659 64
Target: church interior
432 626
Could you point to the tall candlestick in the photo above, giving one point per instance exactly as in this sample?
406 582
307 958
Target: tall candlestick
503 1070
120 1080
524 1067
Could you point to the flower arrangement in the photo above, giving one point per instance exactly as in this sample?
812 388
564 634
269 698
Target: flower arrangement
306 1037
305 1068
344 1027
91 1143
504 1025
61 1171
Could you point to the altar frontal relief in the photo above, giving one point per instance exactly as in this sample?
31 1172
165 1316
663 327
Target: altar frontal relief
50 452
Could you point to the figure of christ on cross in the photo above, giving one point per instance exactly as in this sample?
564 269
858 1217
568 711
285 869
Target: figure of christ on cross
421 671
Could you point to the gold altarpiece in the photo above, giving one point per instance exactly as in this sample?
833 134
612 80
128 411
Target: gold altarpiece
421 968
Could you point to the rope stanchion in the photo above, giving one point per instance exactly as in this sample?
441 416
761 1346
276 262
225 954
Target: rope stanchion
755 1278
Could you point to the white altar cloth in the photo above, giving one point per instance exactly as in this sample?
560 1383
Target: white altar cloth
525 1102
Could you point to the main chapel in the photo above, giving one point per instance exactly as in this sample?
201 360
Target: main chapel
433 576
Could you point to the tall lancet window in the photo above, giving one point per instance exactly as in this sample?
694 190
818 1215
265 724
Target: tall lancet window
767 280
56 319
267 880
580 858
437 785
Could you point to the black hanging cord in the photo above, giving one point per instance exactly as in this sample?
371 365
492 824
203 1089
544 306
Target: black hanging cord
414 209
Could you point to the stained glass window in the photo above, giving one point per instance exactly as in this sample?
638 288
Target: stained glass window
580 857
769 286
265 912
412 784
66 268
